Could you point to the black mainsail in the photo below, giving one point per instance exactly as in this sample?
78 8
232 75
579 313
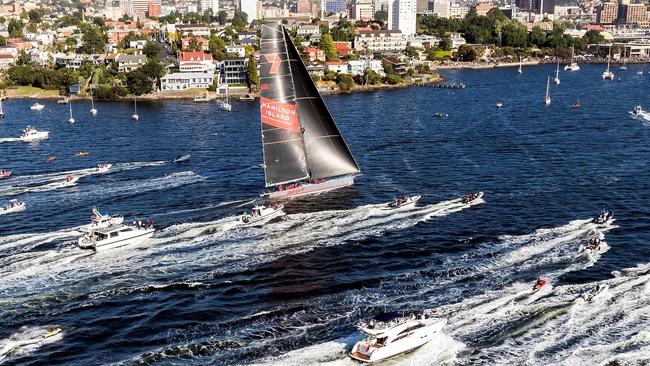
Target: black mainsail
300 137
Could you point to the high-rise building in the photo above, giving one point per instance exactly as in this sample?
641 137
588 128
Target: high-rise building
607 13
402 16
251 8
537 6
632 13
212 5
422 6
362 9
335 6
139 8
441 8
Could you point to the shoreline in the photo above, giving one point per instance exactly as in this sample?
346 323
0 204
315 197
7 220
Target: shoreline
488 66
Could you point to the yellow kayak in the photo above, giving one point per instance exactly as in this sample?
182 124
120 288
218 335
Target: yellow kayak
82 153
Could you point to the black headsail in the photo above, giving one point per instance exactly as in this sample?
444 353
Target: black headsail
294 115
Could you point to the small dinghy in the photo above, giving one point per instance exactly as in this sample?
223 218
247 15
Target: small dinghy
181 158
540 284
262 214
403 201
4 174
471 197
594 293
70 181
103 168
603 217
391 336
37 107
12 206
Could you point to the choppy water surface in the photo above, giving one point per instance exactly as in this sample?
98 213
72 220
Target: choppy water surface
204 291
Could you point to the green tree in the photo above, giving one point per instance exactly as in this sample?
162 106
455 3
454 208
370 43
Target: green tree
138 82
327 45
35 16
466 53
537 37
151 49
344 82
412 51
222 17
251 73
193 45
217 46
93 41
392 79
99 21
3 41
3 20
239 21
514 34
15 28
381 15
593 37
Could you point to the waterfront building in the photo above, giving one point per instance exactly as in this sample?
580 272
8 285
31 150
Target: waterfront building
337 66
380 41
126 63
183 80
195 62
233 70
357 67
402 16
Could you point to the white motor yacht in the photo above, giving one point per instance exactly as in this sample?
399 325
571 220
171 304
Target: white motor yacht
398 336
37 107
115 236
471 197
403 201
12 206
31 134
262 214
103 168
101 220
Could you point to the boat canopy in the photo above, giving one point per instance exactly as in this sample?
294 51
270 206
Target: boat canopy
299 135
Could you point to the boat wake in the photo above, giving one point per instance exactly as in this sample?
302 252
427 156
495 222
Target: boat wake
49 181
9 139
27 340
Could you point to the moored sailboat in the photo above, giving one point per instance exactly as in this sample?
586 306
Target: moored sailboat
547 100
607 74
520 70
2 112
557 74
93 111
573 66
135 115
304 151
71 120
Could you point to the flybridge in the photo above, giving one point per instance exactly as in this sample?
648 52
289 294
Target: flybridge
300 138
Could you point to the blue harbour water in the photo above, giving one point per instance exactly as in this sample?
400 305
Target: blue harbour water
204 291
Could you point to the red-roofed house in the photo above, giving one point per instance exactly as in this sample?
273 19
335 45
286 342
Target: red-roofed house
19 43
343 48
363 29
204 43
337 66
595 27
6 61
314 54
196 62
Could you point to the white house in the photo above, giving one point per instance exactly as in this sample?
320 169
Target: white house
138 44
195 62
186 80
357 67
457 40
239 50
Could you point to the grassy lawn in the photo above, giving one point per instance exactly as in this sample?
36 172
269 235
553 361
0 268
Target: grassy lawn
30 90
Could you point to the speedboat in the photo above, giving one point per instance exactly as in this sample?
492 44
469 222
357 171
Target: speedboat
51 158
394 337
226 106
31 134
471 197
603 217
640 72
103 168
4 174
499 104
101 220
37 107
116 236
576 105
180 158
12 206
51 332
539 285
639 112
593 246
403 201
70 181
592 294
572 67
82 153
63 101
262 214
